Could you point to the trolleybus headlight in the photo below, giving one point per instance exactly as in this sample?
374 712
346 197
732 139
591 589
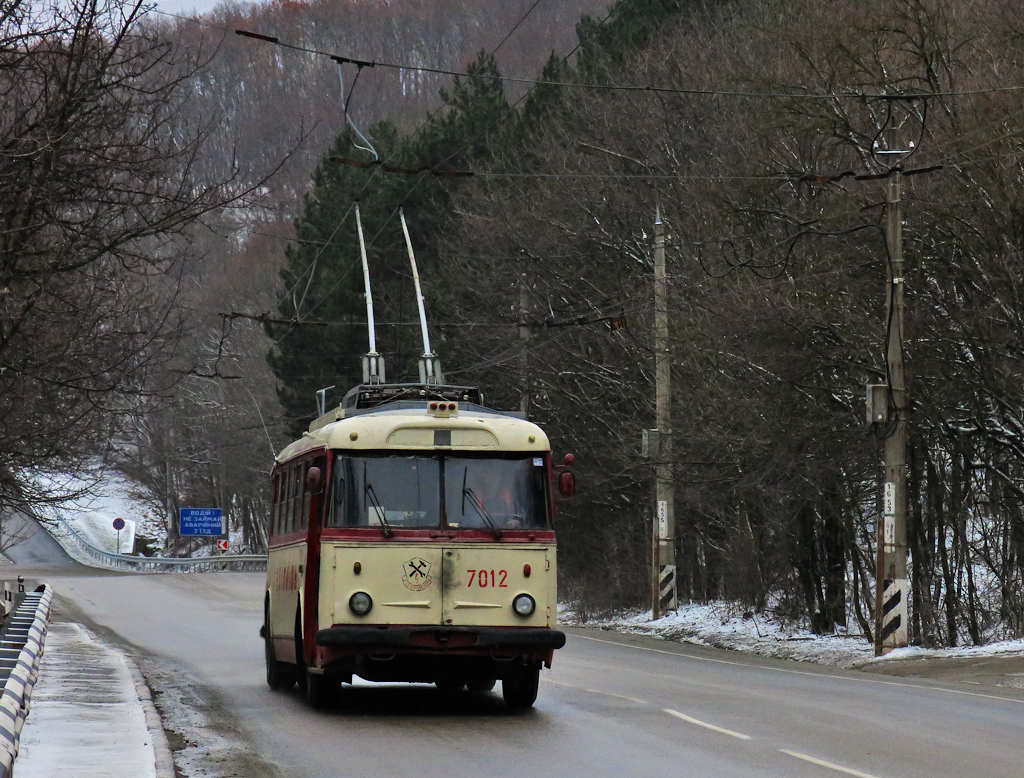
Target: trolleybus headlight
360 603
524 605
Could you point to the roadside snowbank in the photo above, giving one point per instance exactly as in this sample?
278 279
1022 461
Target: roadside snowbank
724 625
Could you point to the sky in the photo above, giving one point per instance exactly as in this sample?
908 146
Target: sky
186 7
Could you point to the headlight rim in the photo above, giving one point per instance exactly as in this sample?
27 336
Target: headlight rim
356 611
530 599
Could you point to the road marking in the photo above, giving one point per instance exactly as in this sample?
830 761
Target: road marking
597 691
855 679
704 724
823 763
618 696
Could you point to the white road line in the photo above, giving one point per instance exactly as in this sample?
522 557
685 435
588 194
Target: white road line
617 696
597 691
823 763
853 679
704 724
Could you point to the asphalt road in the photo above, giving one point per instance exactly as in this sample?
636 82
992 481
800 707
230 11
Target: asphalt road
613 705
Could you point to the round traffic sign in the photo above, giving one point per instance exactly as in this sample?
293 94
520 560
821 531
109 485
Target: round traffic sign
119 524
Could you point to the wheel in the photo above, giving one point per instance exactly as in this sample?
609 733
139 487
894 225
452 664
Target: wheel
481 685
520 691
280 675
321 690
300 655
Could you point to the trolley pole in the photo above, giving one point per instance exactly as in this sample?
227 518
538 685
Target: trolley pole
892 590
663 546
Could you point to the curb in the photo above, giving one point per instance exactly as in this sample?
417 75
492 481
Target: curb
161 747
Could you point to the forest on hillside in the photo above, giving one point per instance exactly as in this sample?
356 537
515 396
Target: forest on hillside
761 131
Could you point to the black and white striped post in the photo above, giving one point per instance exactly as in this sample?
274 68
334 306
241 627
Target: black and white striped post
659 446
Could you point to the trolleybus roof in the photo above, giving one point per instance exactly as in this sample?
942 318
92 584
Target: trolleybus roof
405 421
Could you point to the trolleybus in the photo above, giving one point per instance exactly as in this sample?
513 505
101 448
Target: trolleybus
411 539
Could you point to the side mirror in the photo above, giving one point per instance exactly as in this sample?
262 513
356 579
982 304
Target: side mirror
567 484
566 479
314 480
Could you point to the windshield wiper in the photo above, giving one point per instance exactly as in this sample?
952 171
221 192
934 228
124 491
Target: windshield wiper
375 503
478 506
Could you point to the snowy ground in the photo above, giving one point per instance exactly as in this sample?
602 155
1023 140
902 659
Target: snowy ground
723 625
91 508
86 712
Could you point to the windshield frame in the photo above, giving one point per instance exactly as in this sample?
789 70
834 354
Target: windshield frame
349 461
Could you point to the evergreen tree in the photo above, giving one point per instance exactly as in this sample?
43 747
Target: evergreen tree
323 287
323 284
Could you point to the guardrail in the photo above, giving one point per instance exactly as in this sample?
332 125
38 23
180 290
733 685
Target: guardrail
21 649
162 564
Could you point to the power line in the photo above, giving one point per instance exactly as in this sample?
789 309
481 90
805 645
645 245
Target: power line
649 88
367 183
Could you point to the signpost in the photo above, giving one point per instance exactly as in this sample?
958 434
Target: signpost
118 525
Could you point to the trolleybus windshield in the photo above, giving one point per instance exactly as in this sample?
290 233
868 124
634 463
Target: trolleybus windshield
431 491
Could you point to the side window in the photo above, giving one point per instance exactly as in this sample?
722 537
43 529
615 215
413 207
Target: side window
293 497
275 502
286 501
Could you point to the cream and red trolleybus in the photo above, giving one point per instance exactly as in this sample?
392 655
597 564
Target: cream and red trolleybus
411 539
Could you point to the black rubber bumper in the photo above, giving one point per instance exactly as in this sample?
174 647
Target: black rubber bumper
529 638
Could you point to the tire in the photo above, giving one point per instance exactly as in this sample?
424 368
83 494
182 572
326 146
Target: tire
481 685
520 691
300 655
321 690
280 675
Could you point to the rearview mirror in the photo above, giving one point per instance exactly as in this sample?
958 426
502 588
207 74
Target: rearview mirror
567 484
566 479
314 481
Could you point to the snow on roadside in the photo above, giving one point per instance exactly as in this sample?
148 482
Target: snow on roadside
91 507
726 625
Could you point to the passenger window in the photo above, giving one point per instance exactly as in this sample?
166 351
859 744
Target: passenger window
275 504
302 519
294 486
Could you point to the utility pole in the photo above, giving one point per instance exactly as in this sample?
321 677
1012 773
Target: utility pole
524 338
663 545
892 590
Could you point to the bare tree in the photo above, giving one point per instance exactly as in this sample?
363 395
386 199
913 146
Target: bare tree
97 176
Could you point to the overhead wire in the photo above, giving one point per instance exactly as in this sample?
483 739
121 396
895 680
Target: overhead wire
652 88
345 105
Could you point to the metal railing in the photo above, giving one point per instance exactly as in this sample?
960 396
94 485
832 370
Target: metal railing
22 647
157 564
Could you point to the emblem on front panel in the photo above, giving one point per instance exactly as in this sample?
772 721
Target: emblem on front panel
416 574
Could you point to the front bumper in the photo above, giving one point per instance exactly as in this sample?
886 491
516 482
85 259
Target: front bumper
425 637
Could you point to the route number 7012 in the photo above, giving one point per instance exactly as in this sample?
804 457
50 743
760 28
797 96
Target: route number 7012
488 578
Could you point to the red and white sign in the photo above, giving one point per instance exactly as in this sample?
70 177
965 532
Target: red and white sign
222 544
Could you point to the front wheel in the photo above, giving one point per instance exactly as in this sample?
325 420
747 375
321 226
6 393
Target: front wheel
520 691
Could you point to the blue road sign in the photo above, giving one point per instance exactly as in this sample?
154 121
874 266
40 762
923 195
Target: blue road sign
200 521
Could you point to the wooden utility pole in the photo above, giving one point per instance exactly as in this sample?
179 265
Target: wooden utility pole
663 546
891 582
524 338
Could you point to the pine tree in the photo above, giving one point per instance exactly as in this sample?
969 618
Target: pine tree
323 284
